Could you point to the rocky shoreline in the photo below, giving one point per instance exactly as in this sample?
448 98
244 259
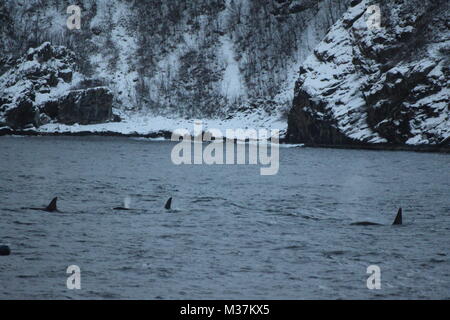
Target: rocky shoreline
165 134
30 132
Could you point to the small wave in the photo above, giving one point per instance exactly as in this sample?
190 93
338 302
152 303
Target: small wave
13 210
264 142
15 136
288 146
239 206
206 199
149 139
288 214
433 260
334 253
309 218
291 247
23 223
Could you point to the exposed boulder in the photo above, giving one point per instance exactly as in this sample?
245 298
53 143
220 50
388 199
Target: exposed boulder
22 114
93 105
371 85
66 75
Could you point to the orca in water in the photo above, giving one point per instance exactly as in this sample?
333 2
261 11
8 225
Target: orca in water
126 205
124 208
168 204
399 218
121 209
50 208
398 221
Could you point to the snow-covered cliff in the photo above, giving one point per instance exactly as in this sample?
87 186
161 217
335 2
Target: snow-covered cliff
44 86
176 58
313 67
386 83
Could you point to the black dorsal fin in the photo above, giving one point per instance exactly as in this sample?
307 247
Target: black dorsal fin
398 219
52 206
168 204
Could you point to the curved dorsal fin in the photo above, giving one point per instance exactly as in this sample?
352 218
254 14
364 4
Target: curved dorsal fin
52 206
168 204
398 219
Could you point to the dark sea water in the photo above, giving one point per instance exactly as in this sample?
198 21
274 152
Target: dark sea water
231 234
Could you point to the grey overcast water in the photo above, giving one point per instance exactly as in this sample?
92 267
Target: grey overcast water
231 234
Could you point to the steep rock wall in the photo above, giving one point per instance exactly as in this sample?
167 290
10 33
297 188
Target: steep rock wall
368 85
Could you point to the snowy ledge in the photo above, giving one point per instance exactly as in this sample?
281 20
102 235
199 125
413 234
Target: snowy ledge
157 127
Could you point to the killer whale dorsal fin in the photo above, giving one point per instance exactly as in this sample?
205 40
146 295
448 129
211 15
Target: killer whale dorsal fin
398 219
52 206
168 204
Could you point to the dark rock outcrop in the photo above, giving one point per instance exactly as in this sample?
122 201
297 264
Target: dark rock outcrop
88 106
22 114
315 128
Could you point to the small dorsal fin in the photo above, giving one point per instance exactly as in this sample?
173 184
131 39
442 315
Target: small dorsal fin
168 204
398 219
52 206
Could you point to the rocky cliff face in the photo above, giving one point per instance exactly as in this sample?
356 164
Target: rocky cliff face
368 85
44 86
232 62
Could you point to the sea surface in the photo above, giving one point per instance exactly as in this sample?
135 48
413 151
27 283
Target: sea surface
231 233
